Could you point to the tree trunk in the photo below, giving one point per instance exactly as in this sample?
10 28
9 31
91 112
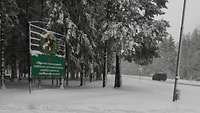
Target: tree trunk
117 73
76 75
67 68
67 78
91 76
2 65
72 77
105 66
13 71
52 82
98 75
81 75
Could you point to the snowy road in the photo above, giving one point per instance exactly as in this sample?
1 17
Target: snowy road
136 96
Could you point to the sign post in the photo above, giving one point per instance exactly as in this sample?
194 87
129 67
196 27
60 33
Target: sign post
47 49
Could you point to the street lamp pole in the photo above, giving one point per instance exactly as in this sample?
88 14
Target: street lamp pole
179 51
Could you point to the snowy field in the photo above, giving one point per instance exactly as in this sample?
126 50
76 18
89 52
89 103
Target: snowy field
137 95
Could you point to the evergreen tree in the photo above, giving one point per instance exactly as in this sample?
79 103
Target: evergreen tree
186 55
167 59
8 20
190 56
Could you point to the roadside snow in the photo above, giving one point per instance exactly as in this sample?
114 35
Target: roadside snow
136 96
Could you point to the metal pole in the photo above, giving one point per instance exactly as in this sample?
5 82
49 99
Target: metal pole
179 51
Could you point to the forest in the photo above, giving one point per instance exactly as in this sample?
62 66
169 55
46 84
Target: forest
166 62
96 32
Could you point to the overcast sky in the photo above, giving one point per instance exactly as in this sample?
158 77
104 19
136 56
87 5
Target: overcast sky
174 12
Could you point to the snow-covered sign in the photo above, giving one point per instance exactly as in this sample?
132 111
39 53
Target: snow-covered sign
47 49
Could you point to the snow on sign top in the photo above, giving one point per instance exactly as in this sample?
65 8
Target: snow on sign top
45 42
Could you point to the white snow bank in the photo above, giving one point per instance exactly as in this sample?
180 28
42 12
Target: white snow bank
136 96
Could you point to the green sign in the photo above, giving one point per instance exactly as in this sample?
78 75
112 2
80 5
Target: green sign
47 50
47 66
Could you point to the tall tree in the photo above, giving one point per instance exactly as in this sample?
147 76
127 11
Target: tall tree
186 55
167 58
190 56
144 31
8 20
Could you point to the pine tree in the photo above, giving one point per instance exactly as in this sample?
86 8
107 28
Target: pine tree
8 20
168 56
166 62
186 54
190 56
195 53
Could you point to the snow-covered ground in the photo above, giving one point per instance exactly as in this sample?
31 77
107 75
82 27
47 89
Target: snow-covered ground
137 95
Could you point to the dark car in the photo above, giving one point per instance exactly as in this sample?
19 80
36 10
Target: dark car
197 79
159 76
